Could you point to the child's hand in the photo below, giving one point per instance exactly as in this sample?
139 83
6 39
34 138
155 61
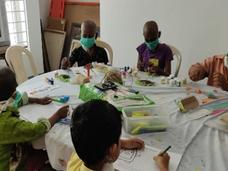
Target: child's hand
59 114
153 69
44 100
62 112
65 63
219 80
197 72
162 161
133 143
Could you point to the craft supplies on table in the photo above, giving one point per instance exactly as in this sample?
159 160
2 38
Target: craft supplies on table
144 119
62 77
119 97
188 103
61 99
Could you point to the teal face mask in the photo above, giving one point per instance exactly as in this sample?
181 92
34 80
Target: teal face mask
87 42
17 100
152 45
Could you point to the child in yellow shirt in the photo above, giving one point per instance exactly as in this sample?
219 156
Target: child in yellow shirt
95 132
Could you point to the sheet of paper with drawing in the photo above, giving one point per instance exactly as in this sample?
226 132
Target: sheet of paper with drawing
136 160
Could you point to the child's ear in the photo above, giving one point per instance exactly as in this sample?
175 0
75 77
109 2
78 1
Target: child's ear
159 34
113 153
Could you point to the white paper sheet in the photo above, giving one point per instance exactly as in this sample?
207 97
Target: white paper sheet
33 112
142 160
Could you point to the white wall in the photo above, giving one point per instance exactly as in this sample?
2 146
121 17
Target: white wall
34 32
44 10
197 28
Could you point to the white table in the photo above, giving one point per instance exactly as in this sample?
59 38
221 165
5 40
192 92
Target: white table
203 148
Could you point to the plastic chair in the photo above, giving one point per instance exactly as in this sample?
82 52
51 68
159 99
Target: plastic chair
14 57
177 54
76 44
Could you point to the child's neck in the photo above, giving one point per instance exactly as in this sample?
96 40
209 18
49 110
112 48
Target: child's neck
97 167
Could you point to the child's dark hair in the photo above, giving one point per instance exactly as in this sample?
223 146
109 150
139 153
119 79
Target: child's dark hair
8 83
95 126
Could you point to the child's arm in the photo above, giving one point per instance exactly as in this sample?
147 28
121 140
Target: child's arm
167 70
42 101
65 63
140 65
197 72
17 130
219 80
162 162
133 143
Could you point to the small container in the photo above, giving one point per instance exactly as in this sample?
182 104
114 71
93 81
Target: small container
178 82
163 80
172 82
145 119
127 79
171 76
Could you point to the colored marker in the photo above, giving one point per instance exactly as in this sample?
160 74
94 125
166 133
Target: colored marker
163 152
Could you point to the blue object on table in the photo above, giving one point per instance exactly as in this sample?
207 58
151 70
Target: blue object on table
62 99
65 121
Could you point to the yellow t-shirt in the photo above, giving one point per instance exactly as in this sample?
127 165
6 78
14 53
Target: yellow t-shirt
76 164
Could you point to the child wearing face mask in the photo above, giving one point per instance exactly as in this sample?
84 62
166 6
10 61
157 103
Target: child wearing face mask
88 52
96 138
214 68
153 56
13 129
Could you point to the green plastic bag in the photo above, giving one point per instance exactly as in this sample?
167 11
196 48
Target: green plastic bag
89 92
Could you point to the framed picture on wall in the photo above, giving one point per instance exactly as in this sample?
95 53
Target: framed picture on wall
4 33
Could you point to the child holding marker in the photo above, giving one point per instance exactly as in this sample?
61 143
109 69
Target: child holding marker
96 138
153 56
14 130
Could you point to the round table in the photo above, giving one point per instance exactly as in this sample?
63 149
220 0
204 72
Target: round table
203 148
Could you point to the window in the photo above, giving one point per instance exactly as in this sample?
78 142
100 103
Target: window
15 10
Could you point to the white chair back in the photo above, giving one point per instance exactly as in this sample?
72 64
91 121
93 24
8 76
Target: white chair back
14 58
177 55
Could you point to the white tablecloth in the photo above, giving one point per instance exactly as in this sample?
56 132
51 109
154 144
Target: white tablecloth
203 148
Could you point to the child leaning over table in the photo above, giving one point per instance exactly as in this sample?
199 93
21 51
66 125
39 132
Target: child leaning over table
96 138
14 130
154 57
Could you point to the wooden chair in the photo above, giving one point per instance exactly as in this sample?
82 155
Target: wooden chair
76 44
14 58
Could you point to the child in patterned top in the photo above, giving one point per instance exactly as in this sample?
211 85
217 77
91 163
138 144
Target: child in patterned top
14 130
